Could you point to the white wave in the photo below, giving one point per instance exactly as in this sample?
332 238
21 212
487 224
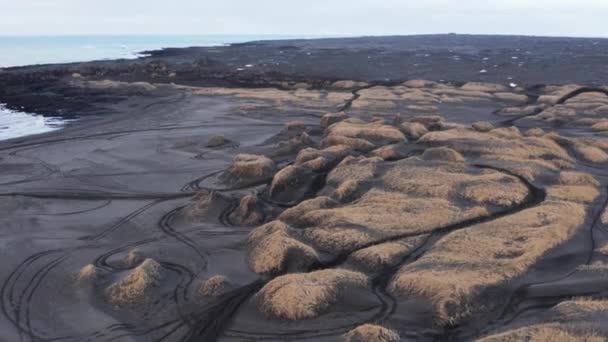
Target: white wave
15 124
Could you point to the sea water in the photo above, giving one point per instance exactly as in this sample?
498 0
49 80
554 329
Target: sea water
26 50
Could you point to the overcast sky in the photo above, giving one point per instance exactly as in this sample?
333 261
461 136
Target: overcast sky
309 17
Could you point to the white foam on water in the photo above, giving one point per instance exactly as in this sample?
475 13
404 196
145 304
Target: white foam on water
14 124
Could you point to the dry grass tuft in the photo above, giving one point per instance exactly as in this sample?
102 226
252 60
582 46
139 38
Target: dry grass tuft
577 178
445 154
534 132
532 155
419 84
133 258
215 286
249 212
348 84
322 160
307 295
554 332
294 215
484 87
207 204
87 274
353 143
578 319
573 193
136 287
413 130
272 250
248 169
378 134
369 333
391 152
377 258
504 192
600 126
292 184
482 126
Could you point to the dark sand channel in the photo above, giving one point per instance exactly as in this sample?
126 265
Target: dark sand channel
297 208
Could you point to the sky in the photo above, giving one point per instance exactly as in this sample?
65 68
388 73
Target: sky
304 17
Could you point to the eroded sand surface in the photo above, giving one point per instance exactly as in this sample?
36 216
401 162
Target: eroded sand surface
355 212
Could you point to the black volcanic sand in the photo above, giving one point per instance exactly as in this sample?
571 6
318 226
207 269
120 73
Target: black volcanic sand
119 186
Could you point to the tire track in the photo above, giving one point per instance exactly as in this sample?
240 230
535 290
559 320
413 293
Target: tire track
121 222
165 226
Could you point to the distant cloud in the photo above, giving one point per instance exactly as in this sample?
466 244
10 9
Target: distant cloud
325 17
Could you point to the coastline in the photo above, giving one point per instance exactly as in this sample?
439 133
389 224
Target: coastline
146 187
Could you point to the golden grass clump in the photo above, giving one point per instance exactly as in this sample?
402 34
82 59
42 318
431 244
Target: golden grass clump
591 153
578 319
484 87
413 130
307 98
504 193
353 143
248 169
291 184
604 217
348 84
136 287
453 95
507 132
445 180
249 212
466 262
419 84
272 250
419 96
391 152
378 134
577 178
307 295
378 93
554 332
215 286
369 333
534 132
573 193
482 126
87 274
364 221
353 169
444 154
504 145
375 259
588 149
511 97
322 160
133 258
207 204
600 126
294 214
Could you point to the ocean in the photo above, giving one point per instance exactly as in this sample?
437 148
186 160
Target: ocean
28 50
